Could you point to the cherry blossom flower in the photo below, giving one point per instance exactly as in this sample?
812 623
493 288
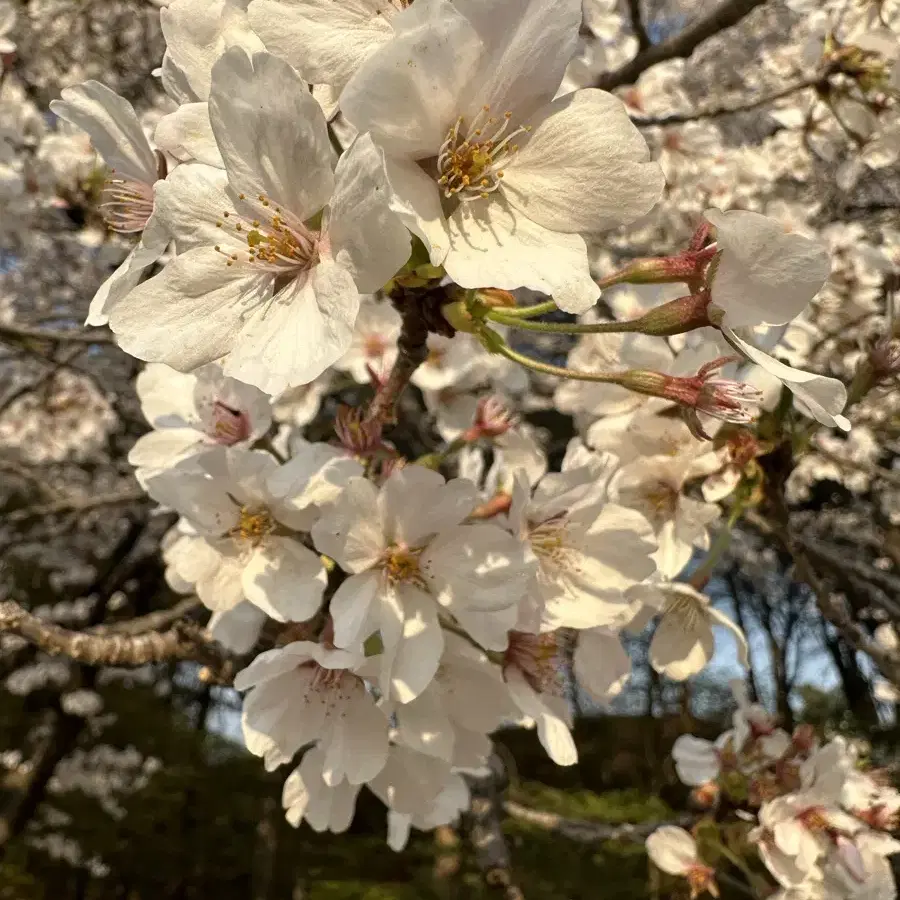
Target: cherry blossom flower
324 40
683 642
254 280
244 547
483 164
764 276
373 347
192 412
533 675
589 551
306 693
411 557
654 486
128 204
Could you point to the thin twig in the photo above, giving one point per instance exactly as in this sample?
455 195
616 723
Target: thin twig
830 603
161 618
80 505
42 381
727 109
681 45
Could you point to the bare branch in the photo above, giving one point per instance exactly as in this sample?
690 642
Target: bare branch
727 109
41 382
637 24
588 832
412 352
185 641
82 504
161 618
830 604
681 45
73 336
485 830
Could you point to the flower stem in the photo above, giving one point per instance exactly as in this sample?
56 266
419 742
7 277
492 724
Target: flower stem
501 317
436 459
535 365
529 312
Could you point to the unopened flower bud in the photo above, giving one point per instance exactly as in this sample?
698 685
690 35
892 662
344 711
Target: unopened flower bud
706 796
492 418
686 266
495 297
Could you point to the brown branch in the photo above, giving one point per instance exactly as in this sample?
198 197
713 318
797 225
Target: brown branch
76 505
22 797
681 45
185 641
830 603
412 351
485 830
727 109
637 24
155 621
588 832
43 381
55 336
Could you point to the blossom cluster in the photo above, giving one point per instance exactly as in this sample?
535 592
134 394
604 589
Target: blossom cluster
331 183
820 824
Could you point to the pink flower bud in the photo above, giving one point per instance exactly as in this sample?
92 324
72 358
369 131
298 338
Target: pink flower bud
492 418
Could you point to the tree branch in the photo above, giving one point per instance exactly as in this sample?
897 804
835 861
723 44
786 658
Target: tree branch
830 604
73 336
161 618
184 641
76 505
727 109
588 832
485 830
681 45
412 351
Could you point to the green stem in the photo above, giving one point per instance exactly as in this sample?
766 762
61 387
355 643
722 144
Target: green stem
499 316
436 459
529 312
559 371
